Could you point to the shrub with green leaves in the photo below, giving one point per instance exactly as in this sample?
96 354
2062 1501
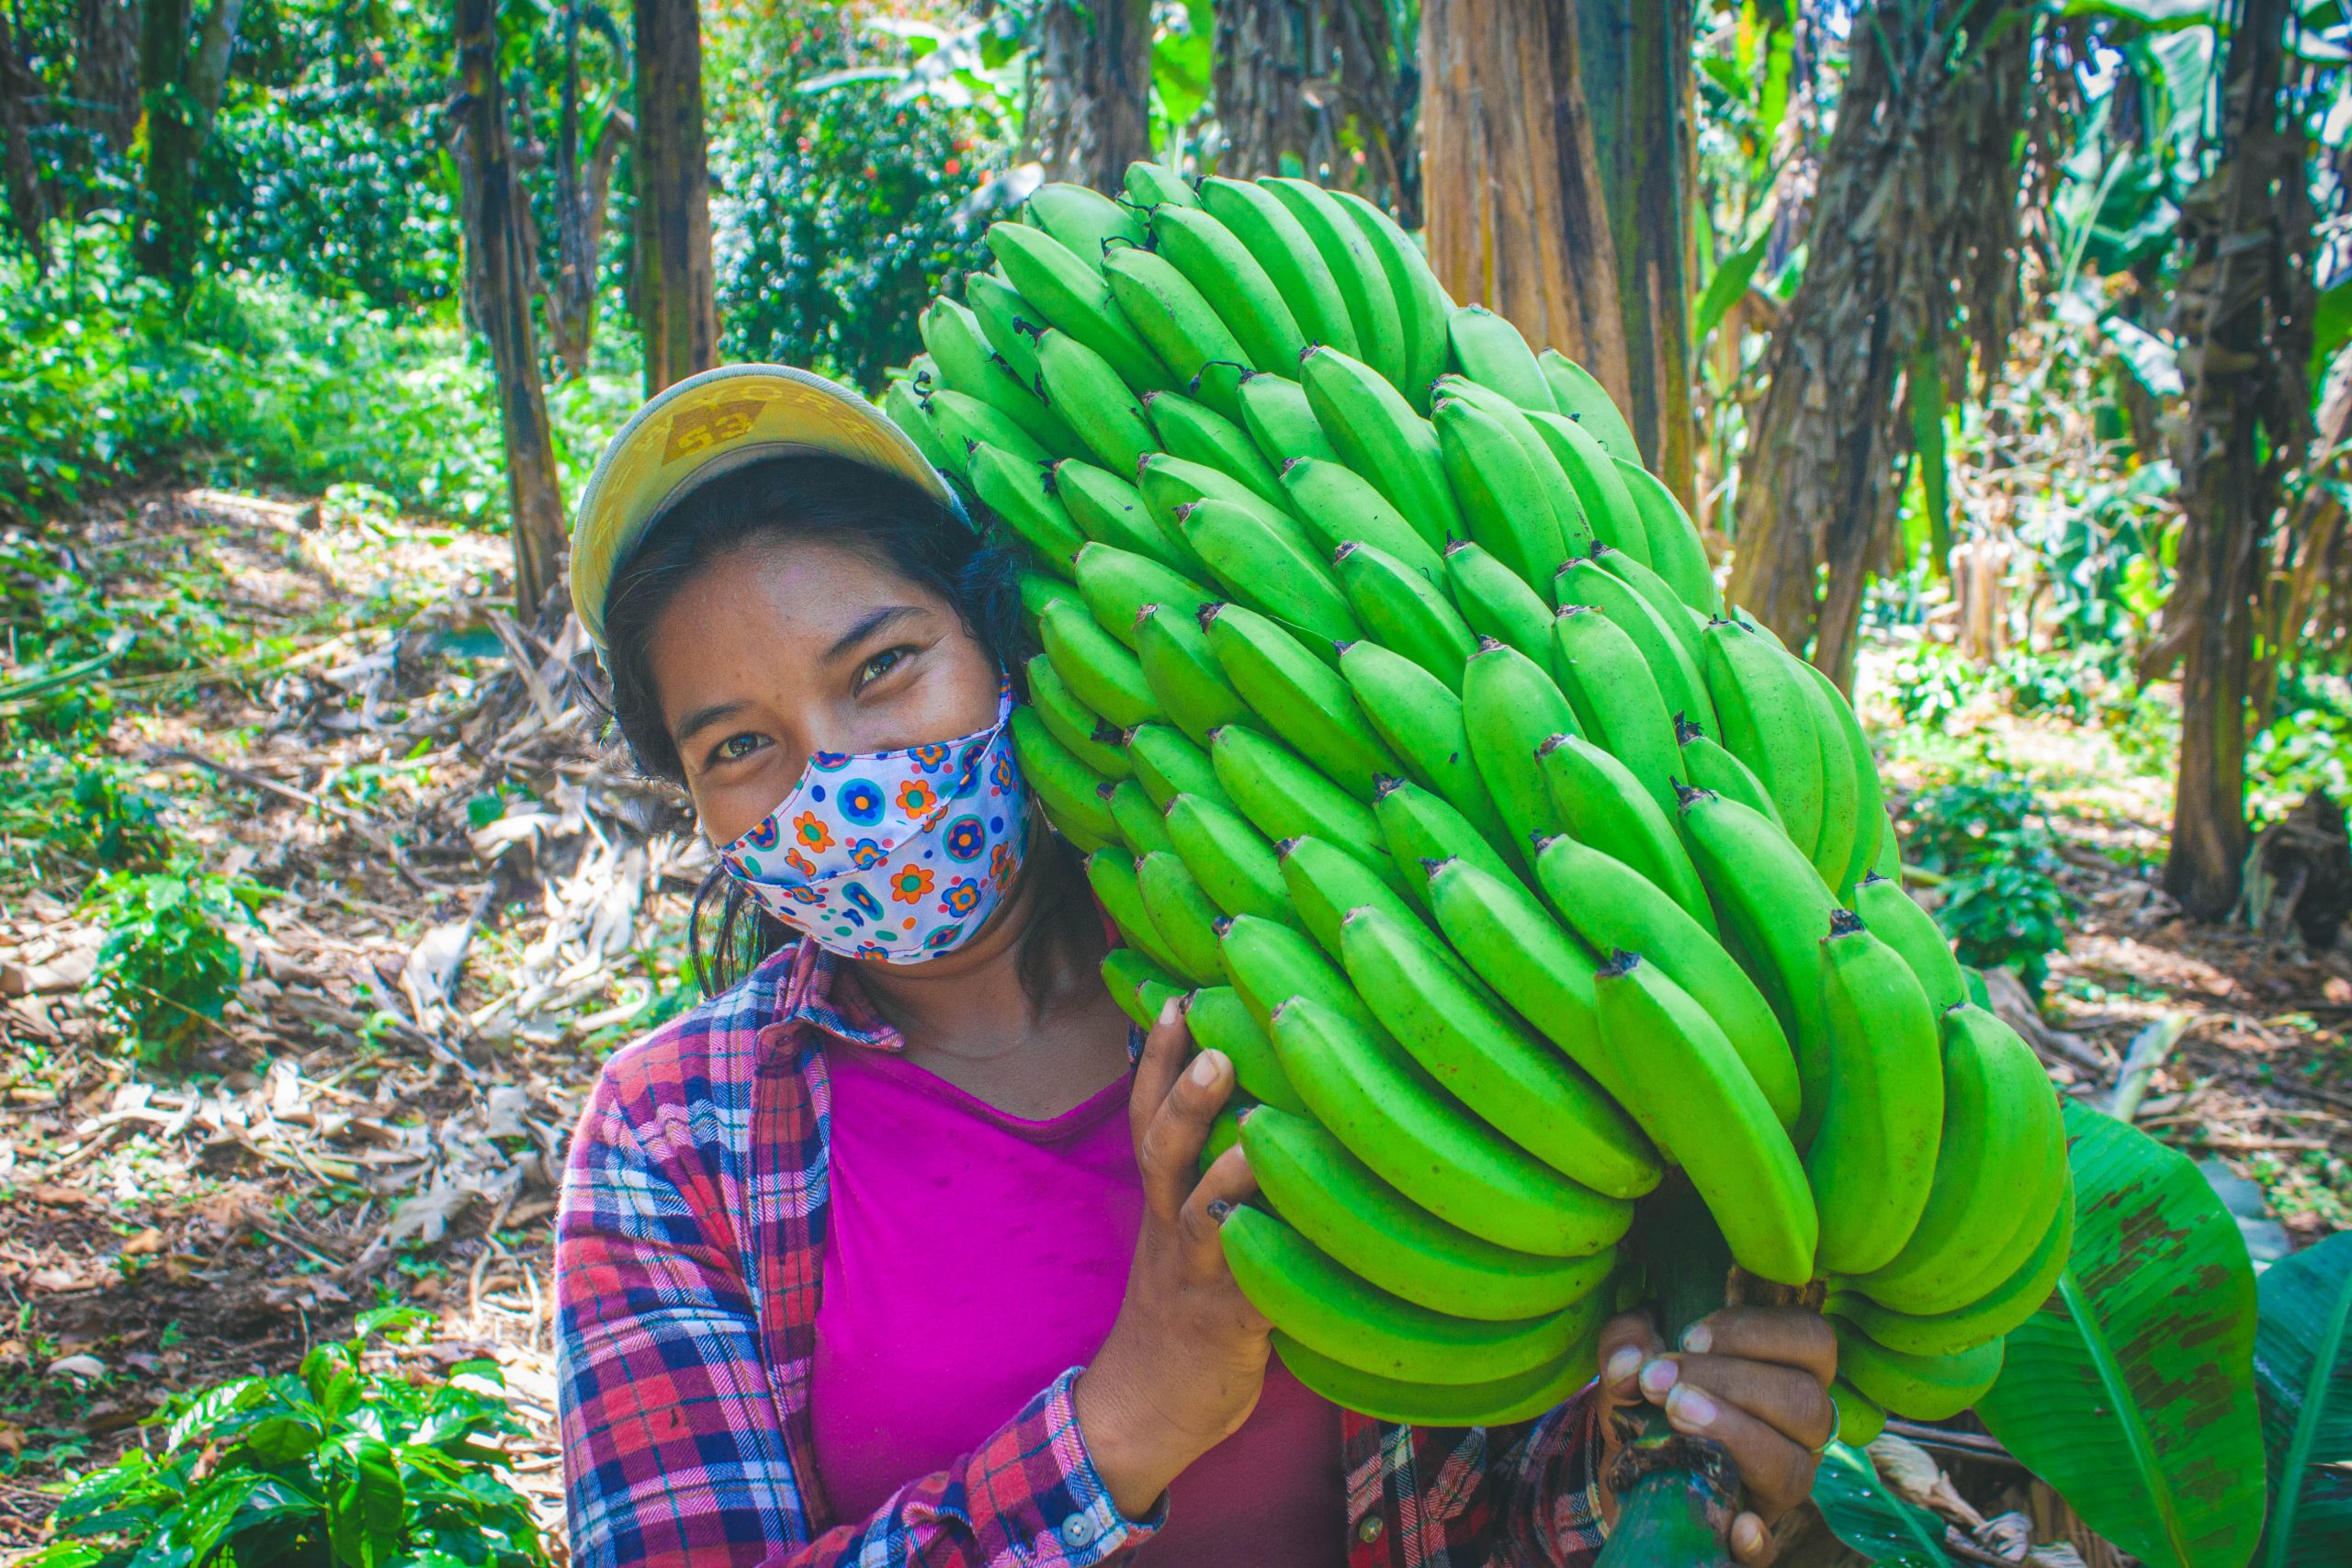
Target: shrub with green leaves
330 1465
1990 841
168 966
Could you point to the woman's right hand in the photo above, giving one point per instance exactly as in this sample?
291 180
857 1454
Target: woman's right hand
1182 1367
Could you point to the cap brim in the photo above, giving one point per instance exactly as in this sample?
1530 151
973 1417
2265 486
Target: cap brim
706 425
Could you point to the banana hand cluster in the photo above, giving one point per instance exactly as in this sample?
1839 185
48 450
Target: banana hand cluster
1410 744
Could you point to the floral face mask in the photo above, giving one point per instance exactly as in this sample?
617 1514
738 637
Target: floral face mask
898 856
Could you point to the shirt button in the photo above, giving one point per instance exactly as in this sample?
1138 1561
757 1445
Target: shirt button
1077 1529
1369 1530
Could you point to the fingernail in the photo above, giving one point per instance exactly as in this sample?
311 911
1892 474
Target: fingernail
1170 1011
1747 1535
1698 1338
1622 1364
1686 1406
1658 1376
1218 1209
1206 1065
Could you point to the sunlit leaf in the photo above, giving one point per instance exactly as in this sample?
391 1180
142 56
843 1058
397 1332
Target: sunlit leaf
1871 1519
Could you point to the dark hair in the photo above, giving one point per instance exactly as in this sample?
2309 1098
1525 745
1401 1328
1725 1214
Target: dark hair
900 527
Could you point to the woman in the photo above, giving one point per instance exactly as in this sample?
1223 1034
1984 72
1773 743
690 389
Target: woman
859 1262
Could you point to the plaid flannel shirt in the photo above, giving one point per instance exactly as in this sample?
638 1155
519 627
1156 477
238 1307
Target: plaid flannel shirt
688 1252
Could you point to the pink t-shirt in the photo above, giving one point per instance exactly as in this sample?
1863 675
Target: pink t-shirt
971 1258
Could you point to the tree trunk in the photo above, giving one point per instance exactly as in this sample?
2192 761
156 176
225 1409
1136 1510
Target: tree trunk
580 201
677 308
1260 60
105 70
1517 216
1638 90
1089 113
503 276
1915 215
180 87
2243 310
27 206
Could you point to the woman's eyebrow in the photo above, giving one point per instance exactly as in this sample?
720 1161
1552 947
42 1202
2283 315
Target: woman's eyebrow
702 718
867 625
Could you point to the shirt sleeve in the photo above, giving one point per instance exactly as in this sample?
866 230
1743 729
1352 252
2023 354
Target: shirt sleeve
1548 1484
672 1420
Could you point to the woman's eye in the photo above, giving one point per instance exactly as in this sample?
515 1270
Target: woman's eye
737 747
881 664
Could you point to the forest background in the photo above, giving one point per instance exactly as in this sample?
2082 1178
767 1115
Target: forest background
1999 348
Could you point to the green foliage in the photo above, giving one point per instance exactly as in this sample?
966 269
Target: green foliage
2307 746
1872 1520
2002 903
2131 1391
2303 1368
168 966
330 1465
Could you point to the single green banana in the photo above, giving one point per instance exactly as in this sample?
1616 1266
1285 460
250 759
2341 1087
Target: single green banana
1270 963
1274 411
1300 698
964 424
1775 911
1500 1403
1677 553
1844 746
1212 258
1072 722
1219 1021
1889 864
1169 483
1423 309
1872 1161
1111 872
1421 829
1068 293
1181 915
1502 495
1706 765
1913 932
1383 1236
1117 585
1404 610
1575 531
1140 826
1007 320
1496 604
905 408
1326 1308
1585 582
1421 721
1181 326
1612 906
1987 1318
1518 1084
1111 511
2000 1172
1340 506
1150 185
1326 882
1921 1388
1833 850
1198 433
1748 619
1616 698
1694 1088
956 344
1510 709
1065 784
1767 724
1488 350
1419 1139
1380 436
1355 269
1140 986
1597 800
1515 946
1860 1421
1168 764
1609 510
1687 624
1083 218
1096 666
1232 861
1183 674
1082 386
1285 798
1037 591
1023 496
1225 1127
1575 394
1268 571
1274 236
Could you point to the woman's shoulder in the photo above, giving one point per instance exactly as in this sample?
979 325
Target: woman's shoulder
706 1057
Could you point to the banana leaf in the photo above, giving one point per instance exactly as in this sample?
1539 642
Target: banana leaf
2303 1369
2131 1391
1871 1519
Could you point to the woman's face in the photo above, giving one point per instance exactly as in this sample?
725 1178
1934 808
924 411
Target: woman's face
785 647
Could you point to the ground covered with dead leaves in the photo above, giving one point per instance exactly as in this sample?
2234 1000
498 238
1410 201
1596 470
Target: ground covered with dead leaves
449 906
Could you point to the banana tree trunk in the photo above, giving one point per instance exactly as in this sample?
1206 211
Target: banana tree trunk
677 310
1090 90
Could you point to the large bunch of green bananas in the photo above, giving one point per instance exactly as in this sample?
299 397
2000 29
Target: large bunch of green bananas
1407 734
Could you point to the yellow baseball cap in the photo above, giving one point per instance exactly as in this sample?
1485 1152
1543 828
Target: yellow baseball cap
709 424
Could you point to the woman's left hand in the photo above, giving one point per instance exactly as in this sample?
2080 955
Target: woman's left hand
1754 1380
